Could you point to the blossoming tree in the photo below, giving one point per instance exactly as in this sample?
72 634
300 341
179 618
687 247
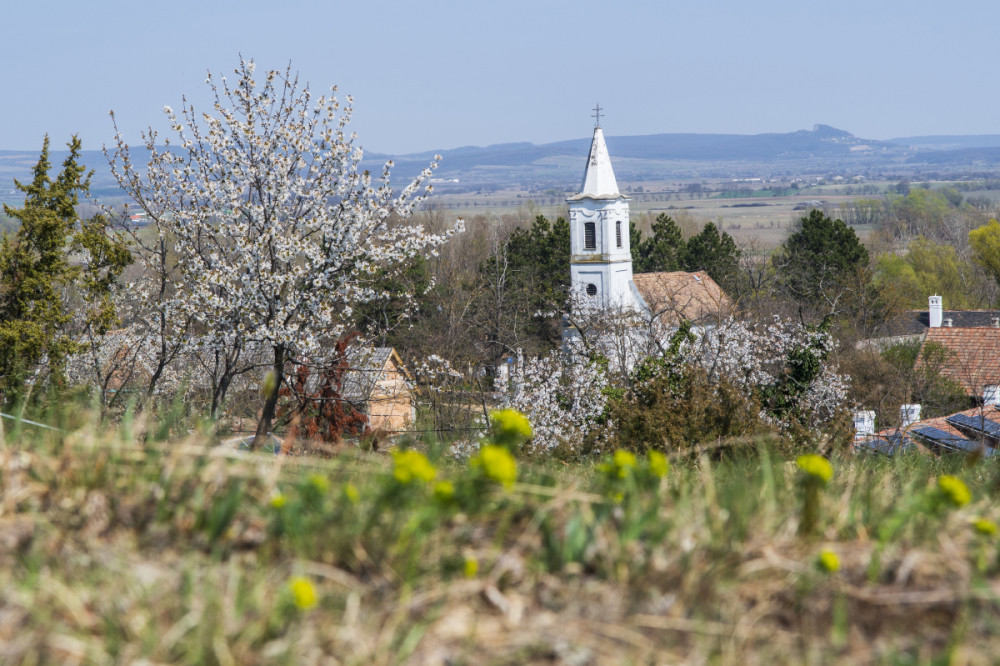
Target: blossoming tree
563 396
279 233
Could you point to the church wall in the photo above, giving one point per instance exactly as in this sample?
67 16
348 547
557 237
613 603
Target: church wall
607 266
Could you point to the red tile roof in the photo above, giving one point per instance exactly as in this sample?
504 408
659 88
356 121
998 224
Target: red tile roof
681 295
974 361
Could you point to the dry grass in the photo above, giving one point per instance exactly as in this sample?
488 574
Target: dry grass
180 553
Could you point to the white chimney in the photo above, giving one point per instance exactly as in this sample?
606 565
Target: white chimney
934 311
991 395
908 415
864 424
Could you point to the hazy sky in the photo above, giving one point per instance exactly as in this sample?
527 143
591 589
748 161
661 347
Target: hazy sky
432 74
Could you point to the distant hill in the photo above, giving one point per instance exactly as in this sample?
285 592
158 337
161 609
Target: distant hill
655 156
949 142
823 149
972 157
821 140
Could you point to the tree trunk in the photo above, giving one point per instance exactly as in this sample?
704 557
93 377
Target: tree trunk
271 400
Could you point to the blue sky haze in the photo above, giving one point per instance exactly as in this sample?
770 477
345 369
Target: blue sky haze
439 74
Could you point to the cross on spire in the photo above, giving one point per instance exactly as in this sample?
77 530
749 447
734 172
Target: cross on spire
597 115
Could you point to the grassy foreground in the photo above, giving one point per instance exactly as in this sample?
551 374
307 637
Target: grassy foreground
111 552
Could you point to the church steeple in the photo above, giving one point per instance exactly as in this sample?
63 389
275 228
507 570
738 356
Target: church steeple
598 178
600 248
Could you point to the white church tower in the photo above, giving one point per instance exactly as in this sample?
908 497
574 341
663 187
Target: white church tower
600 255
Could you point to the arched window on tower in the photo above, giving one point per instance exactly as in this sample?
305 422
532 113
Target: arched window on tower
618 232
589 236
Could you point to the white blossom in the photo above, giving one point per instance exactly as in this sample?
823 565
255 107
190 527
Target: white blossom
279 233
562 395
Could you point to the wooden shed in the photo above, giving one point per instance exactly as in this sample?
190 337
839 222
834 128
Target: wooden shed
378 384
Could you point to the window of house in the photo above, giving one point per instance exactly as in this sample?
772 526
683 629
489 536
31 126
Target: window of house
590 236
618 232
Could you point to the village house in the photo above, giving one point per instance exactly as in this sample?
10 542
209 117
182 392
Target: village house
973 431
963 347
971 357
915 324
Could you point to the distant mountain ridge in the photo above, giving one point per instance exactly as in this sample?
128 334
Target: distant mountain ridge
636 158
949 142
821 140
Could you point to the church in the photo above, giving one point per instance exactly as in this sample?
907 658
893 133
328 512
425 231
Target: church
601 261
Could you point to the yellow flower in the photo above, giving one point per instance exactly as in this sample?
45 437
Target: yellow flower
985 526
624 461
471 567
278 500
444 490
828 561
816 466
303 592
320 483
510 427
954 489
658 464
497 463
351 492
412 465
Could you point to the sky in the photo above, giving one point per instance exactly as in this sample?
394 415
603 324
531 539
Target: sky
435 74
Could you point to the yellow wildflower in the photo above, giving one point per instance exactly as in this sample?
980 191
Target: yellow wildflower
510 427
624 461
954 489
471 567
816 466
351 492
985 526
828 561
444 490
497 463
319 482
412 465
278 500
303 592
658 464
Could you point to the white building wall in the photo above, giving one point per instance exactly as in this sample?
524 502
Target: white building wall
607 266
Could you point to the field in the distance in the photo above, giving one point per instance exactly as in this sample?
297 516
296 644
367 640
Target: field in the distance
765 217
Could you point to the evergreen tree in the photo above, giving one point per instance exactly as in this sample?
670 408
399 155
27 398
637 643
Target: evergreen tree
540 257
663 251
539 263
36 273
711 251
528 287
715 253
815 261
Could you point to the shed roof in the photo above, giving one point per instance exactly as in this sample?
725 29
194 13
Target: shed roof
366 367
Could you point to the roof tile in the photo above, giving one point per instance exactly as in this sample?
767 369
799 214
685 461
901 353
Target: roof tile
975 360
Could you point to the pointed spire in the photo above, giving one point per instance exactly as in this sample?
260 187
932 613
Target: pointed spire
599 178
